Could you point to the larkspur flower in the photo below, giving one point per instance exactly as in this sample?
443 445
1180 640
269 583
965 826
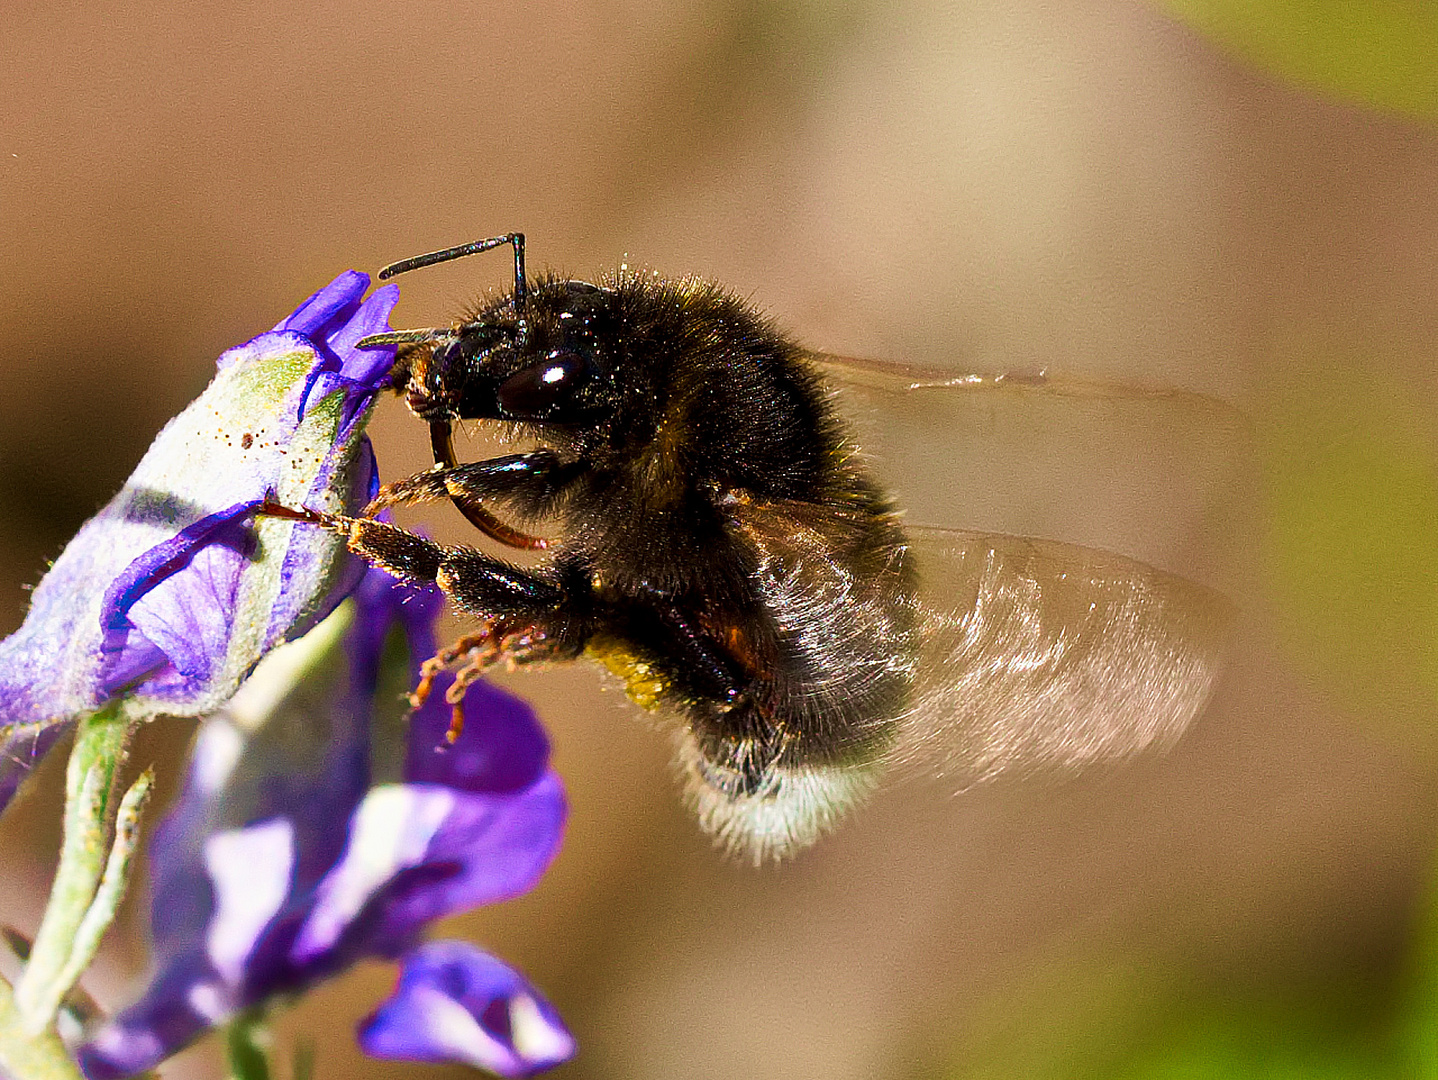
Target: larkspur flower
288 856
164 602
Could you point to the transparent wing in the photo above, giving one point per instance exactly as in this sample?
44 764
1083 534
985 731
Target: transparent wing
1150 472
1037 653
1034 652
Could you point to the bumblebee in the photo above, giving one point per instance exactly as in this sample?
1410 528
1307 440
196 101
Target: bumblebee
715 538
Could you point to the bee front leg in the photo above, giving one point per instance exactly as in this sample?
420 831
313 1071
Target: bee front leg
531 481
476 582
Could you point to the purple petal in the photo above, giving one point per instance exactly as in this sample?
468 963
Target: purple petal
251 871
456 1003
294 611
236 861
418 852
367 366
146 599
487 848
358 372
255 893
175 1014
21 748
237 780
152 611
245 880
501 749
324 312
385 601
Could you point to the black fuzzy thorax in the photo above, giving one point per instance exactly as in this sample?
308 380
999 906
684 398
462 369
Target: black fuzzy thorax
707 399
696 427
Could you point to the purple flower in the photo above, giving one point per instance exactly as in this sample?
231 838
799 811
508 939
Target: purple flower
455 1002
306 839
165 600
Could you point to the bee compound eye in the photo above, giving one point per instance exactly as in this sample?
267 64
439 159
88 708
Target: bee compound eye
541 390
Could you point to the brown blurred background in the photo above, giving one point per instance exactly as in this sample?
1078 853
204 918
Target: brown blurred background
1089 186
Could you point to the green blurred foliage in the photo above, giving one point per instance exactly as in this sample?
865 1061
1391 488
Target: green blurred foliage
1121 1023
1352 541
1382 53
1106 1017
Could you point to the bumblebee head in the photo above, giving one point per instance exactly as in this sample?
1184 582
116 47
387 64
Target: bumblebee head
655 377
548 362
534 354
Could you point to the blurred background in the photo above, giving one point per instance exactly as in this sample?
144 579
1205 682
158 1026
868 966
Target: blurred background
1237 199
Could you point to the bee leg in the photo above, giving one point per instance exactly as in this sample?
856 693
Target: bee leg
464 678
738 744
523 610
494 641
532 479
708 669
442 660
531 482
476 582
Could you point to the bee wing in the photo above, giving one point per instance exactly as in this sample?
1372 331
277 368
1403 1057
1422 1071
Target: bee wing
1034 652
1037 653
1033 453
889 377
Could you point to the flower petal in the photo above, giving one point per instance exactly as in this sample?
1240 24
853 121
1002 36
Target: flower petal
168 596
156 612
384 601
456 1003
21 748
488 848
501 749
365 366
150 1032
256 892
389 833
419 852
330 307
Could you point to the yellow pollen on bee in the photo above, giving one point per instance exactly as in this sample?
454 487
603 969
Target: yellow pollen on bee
644 686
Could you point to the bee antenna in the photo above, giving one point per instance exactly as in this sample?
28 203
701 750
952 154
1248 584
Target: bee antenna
514 239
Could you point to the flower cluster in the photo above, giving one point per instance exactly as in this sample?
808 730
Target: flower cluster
315 826
282 863
165 600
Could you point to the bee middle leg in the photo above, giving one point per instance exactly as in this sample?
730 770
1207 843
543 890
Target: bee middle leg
524 611
476 582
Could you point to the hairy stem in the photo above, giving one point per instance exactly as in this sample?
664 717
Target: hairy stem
24 1056
101 743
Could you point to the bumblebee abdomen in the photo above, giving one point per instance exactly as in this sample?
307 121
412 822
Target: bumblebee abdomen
770 773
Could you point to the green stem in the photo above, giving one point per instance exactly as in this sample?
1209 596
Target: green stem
247 1045
111 891
30 1057
101 743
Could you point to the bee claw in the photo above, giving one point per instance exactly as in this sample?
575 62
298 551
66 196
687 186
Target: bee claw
456 724
272 508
